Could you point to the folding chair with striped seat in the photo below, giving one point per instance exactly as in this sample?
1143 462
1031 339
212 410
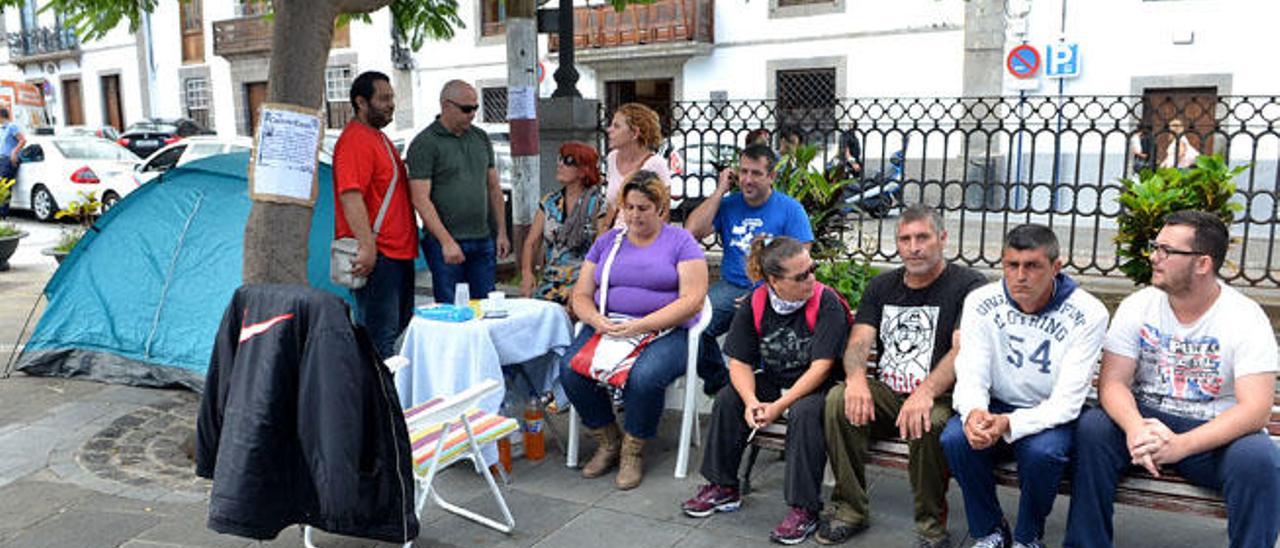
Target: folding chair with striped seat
446 429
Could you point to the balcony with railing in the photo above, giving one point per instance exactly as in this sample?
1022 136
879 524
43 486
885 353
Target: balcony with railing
662 22
250 34
242 36
42 44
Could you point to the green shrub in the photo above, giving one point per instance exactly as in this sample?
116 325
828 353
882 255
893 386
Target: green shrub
1155 194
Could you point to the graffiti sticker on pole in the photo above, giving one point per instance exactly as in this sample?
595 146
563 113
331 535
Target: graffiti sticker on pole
1023 61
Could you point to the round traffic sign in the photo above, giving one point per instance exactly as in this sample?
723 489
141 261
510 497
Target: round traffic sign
1023 61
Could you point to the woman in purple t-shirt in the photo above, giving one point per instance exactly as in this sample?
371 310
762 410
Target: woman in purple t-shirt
658 279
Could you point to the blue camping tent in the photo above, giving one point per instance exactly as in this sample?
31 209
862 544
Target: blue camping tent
139 300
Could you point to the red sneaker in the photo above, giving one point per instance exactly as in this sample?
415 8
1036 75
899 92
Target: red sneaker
712 498
796 527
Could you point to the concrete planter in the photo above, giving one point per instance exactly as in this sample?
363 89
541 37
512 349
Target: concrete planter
8 245
57 255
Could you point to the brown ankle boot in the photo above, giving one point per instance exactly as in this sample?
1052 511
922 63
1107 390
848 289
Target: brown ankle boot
608 444
631 467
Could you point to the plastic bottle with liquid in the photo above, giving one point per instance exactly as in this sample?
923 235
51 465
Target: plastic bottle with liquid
534 436
504 454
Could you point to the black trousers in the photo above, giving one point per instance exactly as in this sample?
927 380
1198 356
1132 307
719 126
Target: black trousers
806 444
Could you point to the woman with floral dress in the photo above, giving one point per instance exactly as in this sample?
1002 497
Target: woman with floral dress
565 225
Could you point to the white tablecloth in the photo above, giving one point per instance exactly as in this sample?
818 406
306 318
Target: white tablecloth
446 358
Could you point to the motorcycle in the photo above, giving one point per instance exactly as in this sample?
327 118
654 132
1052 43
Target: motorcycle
877 194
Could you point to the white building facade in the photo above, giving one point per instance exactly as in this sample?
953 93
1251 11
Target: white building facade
207 59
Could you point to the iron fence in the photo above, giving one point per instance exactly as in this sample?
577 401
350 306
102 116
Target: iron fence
991 163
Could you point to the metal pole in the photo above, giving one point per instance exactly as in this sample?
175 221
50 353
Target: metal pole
566 76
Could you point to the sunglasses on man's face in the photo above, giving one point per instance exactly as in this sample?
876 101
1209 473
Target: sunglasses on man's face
466 109
568 161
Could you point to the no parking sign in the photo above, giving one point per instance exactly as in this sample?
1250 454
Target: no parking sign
1023 62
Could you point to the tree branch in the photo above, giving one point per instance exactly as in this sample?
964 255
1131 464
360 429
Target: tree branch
360 6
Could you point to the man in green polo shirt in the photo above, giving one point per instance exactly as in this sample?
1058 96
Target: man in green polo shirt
455 191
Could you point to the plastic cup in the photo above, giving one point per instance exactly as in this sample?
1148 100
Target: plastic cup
462 295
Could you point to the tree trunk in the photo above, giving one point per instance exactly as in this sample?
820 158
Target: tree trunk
522 68
275 237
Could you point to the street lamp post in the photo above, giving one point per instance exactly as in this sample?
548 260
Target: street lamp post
566 76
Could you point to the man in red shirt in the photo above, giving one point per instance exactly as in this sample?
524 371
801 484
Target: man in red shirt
372 193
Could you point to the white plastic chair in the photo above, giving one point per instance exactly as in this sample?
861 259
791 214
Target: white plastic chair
690 432
444 415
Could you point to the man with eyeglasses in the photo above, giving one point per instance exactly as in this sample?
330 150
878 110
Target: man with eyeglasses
1187 383
454 183
1029 346
910 315
739 217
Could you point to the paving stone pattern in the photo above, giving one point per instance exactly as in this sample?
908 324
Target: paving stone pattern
144 448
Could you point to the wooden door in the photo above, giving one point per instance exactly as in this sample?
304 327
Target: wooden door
191 19
112 107
255 94
1193 106
72 102
655 94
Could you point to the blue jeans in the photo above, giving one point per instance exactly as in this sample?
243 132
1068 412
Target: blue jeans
384 305
1042 458
479 270
711 367
659 365
1246 471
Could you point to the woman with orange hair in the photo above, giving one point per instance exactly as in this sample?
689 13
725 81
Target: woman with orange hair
566 221
634 134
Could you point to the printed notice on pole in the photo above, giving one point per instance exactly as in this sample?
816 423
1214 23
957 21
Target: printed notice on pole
522 103
284 165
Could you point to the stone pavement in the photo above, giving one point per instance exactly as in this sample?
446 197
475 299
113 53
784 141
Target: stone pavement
88 465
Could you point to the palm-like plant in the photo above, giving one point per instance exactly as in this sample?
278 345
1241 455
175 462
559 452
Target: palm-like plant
820 192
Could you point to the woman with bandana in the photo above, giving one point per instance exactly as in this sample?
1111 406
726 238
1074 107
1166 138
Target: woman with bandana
788 335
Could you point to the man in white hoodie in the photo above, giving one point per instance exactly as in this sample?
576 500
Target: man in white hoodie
1029 346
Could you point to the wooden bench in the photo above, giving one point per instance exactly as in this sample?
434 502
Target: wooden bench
1169 492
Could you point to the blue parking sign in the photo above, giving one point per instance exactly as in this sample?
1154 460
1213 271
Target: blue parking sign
1062 60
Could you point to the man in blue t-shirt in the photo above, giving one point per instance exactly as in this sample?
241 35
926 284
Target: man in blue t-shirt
755 211
11 142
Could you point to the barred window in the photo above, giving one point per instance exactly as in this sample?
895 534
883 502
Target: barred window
494 101
337 83
197 99
806 98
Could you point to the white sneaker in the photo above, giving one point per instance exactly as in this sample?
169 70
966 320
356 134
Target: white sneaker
998 539
994 540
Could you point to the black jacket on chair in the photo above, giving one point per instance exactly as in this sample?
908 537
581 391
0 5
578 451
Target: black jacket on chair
300 422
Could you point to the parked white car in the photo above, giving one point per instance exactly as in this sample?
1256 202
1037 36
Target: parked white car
400 139
186 150
53 170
